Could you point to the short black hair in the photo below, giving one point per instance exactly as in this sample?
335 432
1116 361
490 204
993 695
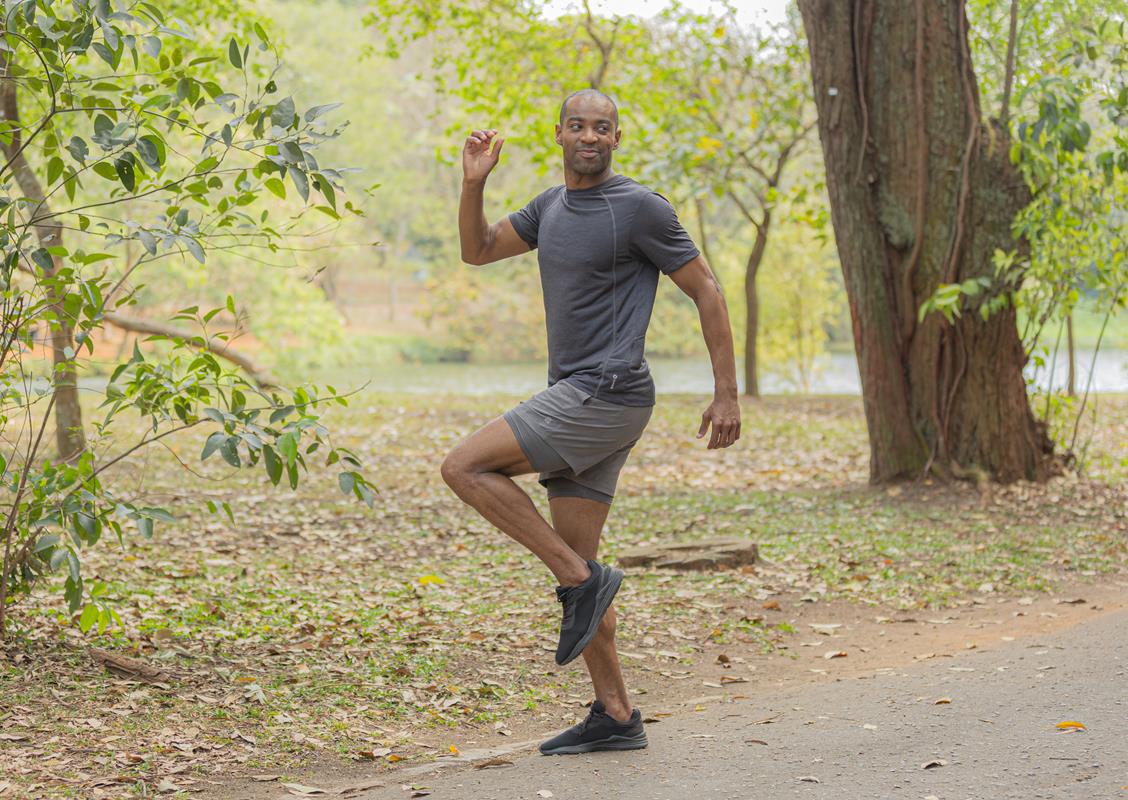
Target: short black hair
591 93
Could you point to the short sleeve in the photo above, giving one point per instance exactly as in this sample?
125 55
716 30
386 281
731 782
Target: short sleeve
658 235
526 222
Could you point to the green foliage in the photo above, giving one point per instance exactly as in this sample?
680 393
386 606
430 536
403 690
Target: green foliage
157 158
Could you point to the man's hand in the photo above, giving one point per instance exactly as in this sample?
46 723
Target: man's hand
478 157
723 414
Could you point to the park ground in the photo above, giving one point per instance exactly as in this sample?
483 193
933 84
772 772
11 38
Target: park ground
315 637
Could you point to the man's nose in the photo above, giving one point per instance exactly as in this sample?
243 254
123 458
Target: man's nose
588 135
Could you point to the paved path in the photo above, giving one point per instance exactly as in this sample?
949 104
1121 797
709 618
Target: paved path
865 738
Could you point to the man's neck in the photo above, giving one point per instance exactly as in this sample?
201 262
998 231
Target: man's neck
576 180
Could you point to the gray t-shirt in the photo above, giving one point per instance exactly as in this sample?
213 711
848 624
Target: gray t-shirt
600 251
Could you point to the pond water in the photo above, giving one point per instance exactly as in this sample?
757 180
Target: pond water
838 375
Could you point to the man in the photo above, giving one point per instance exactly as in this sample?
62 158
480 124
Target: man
602 242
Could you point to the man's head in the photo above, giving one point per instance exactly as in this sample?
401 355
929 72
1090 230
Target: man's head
588 131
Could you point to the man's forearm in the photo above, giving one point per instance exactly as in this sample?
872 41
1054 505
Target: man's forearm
717 331
473 228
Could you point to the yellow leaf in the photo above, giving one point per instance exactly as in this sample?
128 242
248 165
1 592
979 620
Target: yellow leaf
426 580
394 758
453 750
708 145
719 32
1070 724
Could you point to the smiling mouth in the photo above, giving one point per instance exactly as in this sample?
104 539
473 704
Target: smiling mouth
589 153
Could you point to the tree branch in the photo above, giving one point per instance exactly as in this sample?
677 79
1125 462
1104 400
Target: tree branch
1008 80
217 346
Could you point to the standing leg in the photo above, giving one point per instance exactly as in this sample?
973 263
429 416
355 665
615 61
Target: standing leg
579 522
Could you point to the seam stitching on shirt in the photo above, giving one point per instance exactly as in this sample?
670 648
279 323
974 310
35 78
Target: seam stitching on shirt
614 298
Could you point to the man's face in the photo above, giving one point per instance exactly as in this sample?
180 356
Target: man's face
588 135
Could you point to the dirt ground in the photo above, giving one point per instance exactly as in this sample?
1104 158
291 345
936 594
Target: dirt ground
831 642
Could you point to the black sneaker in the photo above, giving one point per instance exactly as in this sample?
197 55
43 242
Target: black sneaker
598 732
584 607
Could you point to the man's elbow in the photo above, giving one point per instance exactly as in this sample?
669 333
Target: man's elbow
474 259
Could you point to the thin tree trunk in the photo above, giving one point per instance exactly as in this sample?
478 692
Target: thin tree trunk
1071 382
699 207
69 437
933 200
752 303
1008 78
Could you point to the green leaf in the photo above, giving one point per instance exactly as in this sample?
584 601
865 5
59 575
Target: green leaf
212 444
54 169
77 148
275 186
193 248
229 449
273 464
282 114
347 482
151 150
366 494
318 111
145 527
288 447
124 168
301 183
43 259
89 616
106 170
151 45
148 241
233 54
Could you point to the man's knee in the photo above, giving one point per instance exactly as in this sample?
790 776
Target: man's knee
455 469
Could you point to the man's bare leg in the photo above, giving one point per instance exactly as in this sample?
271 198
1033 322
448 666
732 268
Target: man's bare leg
579 522
480 471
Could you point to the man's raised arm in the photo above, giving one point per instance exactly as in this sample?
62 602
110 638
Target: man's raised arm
483 243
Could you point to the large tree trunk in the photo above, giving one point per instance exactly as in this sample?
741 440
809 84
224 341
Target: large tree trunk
69 436
921 194
752 304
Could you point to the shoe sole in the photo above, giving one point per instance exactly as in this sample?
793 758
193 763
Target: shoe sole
603 601
611 743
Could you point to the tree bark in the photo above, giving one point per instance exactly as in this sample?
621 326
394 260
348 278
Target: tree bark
921 194
752 303
70 439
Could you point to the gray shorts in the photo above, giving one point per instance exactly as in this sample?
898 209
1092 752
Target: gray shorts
576 442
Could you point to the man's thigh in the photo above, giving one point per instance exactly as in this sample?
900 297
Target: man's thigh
491 448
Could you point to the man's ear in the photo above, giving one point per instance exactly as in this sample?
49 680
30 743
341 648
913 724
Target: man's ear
558 132
618 136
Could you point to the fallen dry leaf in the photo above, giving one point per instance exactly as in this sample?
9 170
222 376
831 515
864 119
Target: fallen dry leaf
936 762
771 605
943 701
265 778
808 779
303 791
835 654
544 793
493 762
1070 725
